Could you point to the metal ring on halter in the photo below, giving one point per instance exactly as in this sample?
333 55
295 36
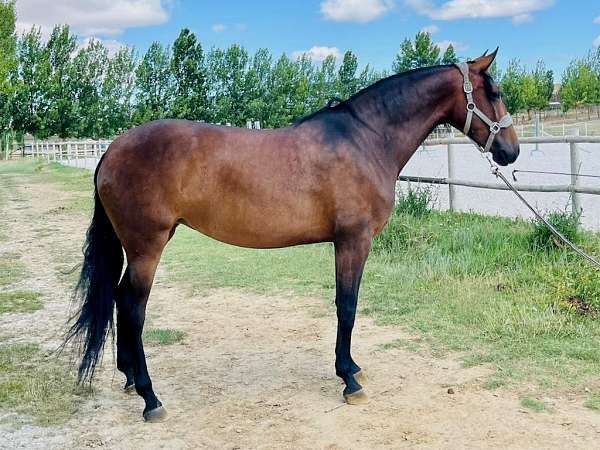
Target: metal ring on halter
471 106
495 128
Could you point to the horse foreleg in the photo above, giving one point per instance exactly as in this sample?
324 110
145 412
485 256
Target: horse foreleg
351 253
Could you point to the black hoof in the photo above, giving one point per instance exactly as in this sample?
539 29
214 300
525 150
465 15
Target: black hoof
157 414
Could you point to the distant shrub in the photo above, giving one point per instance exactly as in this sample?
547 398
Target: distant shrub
416 202
567 223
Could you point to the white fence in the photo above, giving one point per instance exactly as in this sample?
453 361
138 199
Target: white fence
574 188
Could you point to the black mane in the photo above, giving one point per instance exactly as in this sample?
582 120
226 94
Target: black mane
347 105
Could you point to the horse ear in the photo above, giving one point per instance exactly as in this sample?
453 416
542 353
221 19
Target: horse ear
484 62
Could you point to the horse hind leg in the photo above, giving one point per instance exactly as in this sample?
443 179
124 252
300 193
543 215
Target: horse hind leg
124 350
134 290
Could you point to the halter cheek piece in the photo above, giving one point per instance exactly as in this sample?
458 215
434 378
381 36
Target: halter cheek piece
495 127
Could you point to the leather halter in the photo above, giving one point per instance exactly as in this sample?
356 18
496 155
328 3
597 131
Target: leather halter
495 127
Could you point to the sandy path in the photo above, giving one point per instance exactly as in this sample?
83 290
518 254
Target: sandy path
257 372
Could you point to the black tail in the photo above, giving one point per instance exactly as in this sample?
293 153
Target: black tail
96 289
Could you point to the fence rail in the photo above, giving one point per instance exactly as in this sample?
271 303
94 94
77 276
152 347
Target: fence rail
574 188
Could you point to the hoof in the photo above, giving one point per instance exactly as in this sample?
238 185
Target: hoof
157 414
129 388
357 398
360 377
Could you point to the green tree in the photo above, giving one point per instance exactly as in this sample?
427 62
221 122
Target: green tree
227 74
423 53
348 82
579 85
256 86
154 87
87 78
60 118
404 60
117 93
189 78
512 87
281 91
30 105
449 55
324 84
302 93
368 76
8 60
541 79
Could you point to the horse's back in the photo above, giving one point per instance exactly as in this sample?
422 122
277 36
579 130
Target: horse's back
267 188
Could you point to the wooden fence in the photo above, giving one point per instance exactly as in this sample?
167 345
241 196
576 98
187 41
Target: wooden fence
574 187
66 151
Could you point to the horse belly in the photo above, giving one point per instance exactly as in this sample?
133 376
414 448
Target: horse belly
260 223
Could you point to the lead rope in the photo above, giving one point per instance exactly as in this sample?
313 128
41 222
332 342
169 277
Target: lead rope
496 171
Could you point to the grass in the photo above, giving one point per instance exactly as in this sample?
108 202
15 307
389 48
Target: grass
12 269
163 336
533 404
460 282
75 181
36 385
565 222
20 301
593 402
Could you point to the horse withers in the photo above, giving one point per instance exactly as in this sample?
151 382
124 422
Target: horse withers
330 177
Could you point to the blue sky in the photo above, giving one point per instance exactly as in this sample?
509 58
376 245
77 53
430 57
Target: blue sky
555 30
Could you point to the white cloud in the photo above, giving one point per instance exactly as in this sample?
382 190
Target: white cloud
431 29
318 54
597 20
597 42
458 46
91 17
221 27
519 10
521 19
355 10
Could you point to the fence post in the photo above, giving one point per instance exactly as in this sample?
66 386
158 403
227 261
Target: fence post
575 169
451 175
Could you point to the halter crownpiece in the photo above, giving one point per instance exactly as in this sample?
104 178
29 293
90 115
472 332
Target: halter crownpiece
495 127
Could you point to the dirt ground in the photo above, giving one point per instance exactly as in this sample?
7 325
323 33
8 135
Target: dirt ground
257 372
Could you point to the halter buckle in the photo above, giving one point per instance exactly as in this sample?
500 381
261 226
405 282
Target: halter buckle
495 128
468 87
471 106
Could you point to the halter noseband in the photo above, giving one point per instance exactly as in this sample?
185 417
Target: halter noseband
495 127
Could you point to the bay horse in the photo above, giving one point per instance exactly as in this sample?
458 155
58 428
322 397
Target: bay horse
330 177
